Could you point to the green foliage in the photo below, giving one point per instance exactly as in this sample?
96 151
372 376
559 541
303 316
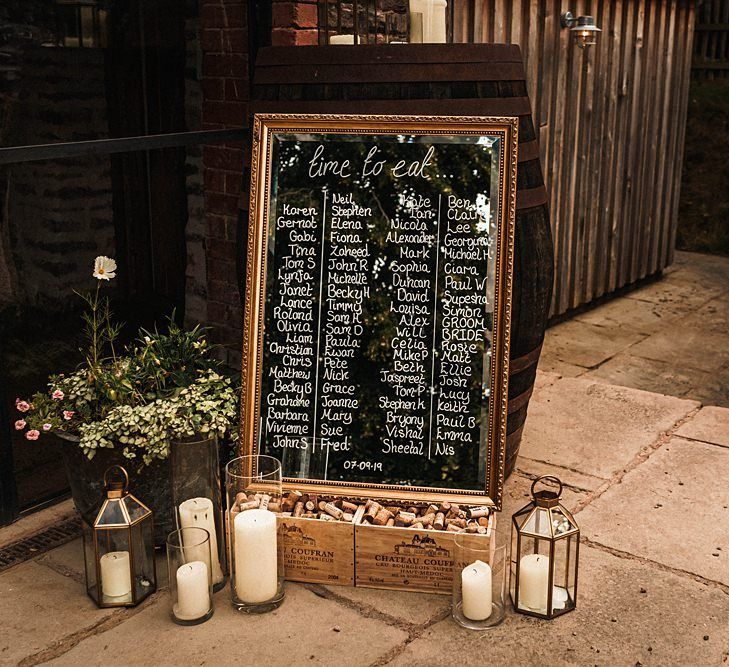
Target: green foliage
703 224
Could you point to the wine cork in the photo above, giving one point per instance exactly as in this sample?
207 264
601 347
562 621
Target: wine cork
382 517
331 509
477 512
298 509
406 517
439 521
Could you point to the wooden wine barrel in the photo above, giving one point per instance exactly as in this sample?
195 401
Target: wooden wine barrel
431 79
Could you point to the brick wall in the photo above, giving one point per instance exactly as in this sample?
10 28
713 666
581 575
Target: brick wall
294 23
225 84
226 89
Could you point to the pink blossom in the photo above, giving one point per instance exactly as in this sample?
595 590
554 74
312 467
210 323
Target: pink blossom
32 434
68 414
22 406
47 427
20 424
57 395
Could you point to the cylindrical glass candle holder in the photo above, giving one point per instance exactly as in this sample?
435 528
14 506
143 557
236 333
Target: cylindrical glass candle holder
253 492
479 582
190 575
196 495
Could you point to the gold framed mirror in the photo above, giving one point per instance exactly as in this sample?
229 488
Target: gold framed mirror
378 302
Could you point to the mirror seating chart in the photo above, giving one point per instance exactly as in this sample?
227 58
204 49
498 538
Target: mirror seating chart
378 301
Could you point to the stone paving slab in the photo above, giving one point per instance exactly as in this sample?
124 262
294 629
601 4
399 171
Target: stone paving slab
581 344
577 480
701 269
614 624
628 370
672 509
715 389
686 348
411 608
711 424
595 428
39 607
712 316
306 629
683 288
69 560
637 315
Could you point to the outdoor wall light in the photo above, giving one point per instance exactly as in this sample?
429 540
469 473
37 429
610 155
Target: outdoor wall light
583 28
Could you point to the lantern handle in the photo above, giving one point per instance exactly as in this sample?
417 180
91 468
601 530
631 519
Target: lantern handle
116 466
552 478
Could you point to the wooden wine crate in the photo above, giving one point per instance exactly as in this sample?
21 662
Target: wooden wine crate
318 552
410 560
340 553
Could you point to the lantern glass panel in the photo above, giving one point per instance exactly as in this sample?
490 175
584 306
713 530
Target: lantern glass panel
197 495
135 509
111 514
143 559
115 570
538 523
531 557
565 574
90 561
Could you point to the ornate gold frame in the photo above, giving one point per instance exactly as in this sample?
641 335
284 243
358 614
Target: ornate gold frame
264 125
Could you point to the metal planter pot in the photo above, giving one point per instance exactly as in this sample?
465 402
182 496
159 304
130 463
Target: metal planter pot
151 484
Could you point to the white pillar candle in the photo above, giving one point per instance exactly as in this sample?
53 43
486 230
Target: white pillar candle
199 513
476 591
193 591
116 575
533 582
255 555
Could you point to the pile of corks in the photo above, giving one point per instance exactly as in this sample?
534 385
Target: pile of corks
444 516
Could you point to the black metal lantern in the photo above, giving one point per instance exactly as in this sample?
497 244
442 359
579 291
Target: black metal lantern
545 546
119 547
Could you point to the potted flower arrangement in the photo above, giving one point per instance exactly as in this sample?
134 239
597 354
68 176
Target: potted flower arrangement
127 406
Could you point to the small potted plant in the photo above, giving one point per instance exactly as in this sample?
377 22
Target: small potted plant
126 406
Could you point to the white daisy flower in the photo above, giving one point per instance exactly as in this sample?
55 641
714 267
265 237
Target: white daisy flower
104 268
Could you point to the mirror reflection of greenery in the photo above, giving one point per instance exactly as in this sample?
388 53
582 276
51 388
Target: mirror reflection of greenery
458 169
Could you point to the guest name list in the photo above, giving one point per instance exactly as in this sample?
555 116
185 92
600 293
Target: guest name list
377 335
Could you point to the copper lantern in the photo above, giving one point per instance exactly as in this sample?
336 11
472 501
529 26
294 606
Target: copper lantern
119 547
545 545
